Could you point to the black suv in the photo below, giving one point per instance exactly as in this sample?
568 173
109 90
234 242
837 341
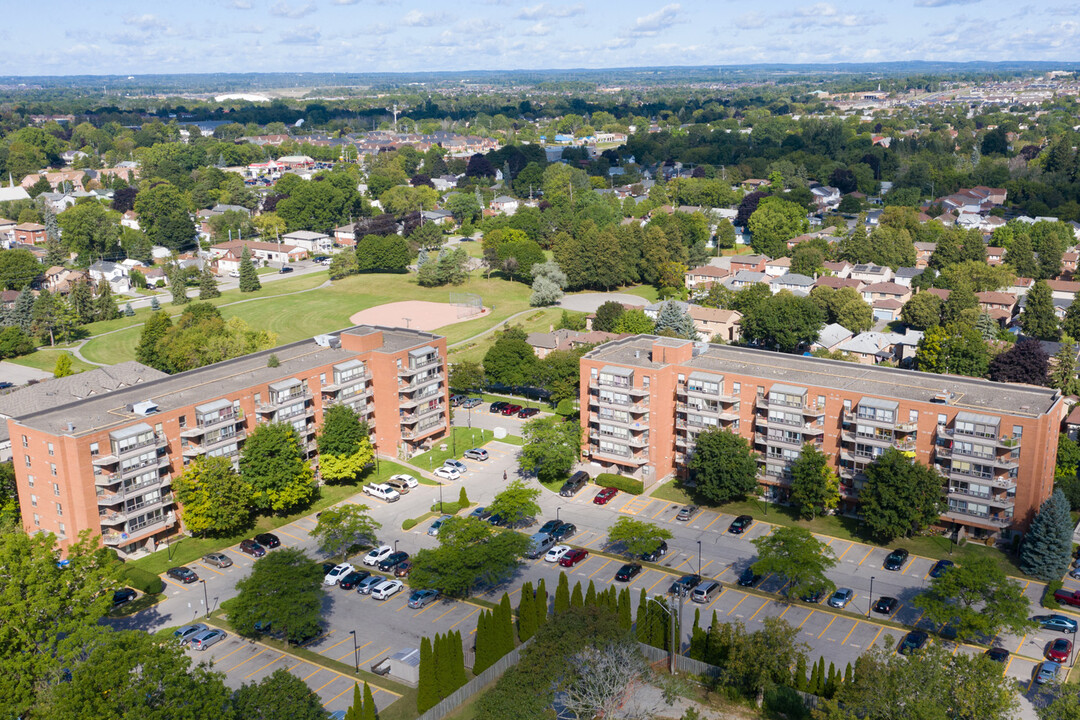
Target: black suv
393 560
896 559
497 407
268 540
656 554
684 585
575 483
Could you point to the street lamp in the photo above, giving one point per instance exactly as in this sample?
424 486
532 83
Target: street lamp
395 546
557 512
440 497
1072 661
870 600
206 599
699 557
673 621
355 658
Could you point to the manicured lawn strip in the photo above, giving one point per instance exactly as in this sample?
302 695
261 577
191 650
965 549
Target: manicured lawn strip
45 360
648 292
540 321
466 438
846 528
189 549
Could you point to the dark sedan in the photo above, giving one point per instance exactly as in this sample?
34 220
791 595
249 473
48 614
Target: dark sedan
350 581
497 407
913 642
564 532
997 654
550 526
252 548
628 572
656 554
896 559
749 578
268 540
528 412
940 568
183 574
885 605
740 524
573 557
123 595
684 585
393 560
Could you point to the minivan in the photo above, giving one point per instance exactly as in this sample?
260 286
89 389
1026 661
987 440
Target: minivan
706 591
541 543
575 483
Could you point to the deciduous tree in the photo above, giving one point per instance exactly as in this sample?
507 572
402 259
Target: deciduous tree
794 553
285 591
344 446
552 446
278 696
516 502
723 465
977 598
471 554
815 488
340 528
901 496
273 462
635 537
216 500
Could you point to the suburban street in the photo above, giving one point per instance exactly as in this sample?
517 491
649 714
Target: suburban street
383 628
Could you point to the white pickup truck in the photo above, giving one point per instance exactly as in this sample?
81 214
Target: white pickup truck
382 491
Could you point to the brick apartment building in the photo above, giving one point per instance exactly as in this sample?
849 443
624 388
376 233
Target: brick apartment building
105 462
645 399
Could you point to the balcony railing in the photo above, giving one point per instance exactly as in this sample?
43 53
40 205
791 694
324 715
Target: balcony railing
1002 462
1007 442
420 364
998 499
972 516
612 456
627 406
158 441
687 390
274 402
205 447
806 409
113 538
111 478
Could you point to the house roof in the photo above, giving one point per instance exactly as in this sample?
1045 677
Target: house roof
1070 286
795 279
717 315
940 292
237 246
888 288
887 304
305 235
836 283
996 298
832 334
708 271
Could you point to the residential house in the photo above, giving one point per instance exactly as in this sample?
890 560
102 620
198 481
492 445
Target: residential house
562 339
752 184
755 263
1063 289
831 336
652 311
221 209
1068 262
745 278
778 267
30 234
840 269
1072 424
796 283
886 291
871 274
714 323
999 306
825 197
923 251
7 232
995 255
314 242
831 281
227 254
66 180
941 293
505 204
871 348
704 276
345 236
113 273
906 275
11 194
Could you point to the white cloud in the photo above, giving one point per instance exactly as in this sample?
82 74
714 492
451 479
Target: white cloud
543 10
816 11
653 23
538 29
415 18
943 3
146 23
346 2
302 35
284 9
241 4
750 21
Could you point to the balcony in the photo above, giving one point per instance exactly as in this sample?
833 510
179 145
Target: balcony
339 385
996 499
691 391
1001 462
116 517
202 427
111 478
972 517
419 382
779 440
597 401
1007 442
205 447
413 417
907 444
276 402
158 441
423 432
420 363
611 456
107 498
851 473
114 538
856 455
810 409
627 422
409 403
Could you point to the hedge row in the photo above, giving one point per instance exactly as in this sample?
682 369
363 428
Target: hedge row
620 482
1048 600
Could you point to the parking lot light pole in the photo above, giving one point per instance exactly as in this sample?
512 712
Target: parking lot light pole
355 657
395 546
699 557
206 599
870 600
440 497
1073 652
557 512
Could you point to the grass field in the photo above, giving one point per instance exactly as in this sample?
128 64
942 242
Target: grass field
542 320
463 439
45 359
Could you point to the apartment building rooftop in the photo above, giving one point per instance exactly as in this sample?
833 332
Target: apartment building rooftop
963 392
121 406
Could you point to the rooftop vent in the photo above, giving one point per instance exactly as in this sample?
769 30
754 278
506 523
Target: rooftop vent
147 407
328 341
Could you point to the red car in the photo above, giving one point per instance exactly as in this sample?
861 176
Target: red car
528 413
604 495
511 410
573 557
1058 650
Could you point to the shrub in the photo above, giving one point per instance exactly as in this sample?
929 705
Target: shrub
409 524
1048 600
619 482
787 702
143 580
448 508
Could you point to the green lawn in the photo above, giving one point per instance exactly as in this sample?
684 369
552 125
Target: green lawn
643 291
45 359
846 528
189 549
542 320
465 438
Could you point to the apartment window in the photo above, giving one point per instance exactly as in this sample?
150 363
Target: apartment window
1017 431
942 420
59 510
33 500
645 381
51 450
157 429
736 388
37 519
28 461
913 416
30 480
56 490
52 469
93 449
322 378
61 527
682 378
25 442
182 421
820 401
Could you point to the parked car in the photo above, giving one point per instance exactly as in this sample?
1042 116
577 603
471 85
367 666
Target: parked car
1048 672
377 555
528 412
885 605
706 591
496 520
511 410
268 540
814 596
604 496
207 638
335 575
556 553
476 454
684 585
220 560
940 568
457 465
456 400
628 572
234 273
382 491
480 513
187 632
407 480
422 598
400 485
841 598
913 642
184 574
577 481
327 567
446 473
550 526
350 581
393 560
1056 622
122 596
896 559
471 402
749 578
285 269
573 557
364 586
686 513
998 654
740 524
1058 650
252 548
433 531
564 532
387 589
403 569
656 554
497 407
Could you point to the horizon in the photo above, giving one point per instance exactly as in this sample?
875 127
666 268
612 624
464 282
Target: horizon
364 37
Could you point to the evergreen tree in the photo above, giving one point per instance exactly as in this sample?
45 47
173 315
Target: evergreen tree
460 678
822 679
104 305
526 613
540 605
833 681
370 711
1071 324
45 316
800 673
208 288
848 674
1021 256
625 619
128 310
249 279
675 321
177 286
482 656
815 679
154 304
576 598
81 299
356 710
63 365
562 595
642 619
463 498
427 688
444 664
590 596
21 314
1038 319
506 626
1047 547
147 351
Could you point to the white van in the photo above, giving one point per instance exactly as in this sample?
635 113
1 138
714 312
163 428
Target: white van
541 543
706 591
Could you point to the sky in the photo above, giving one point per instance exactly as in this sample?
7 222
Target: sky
132 37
